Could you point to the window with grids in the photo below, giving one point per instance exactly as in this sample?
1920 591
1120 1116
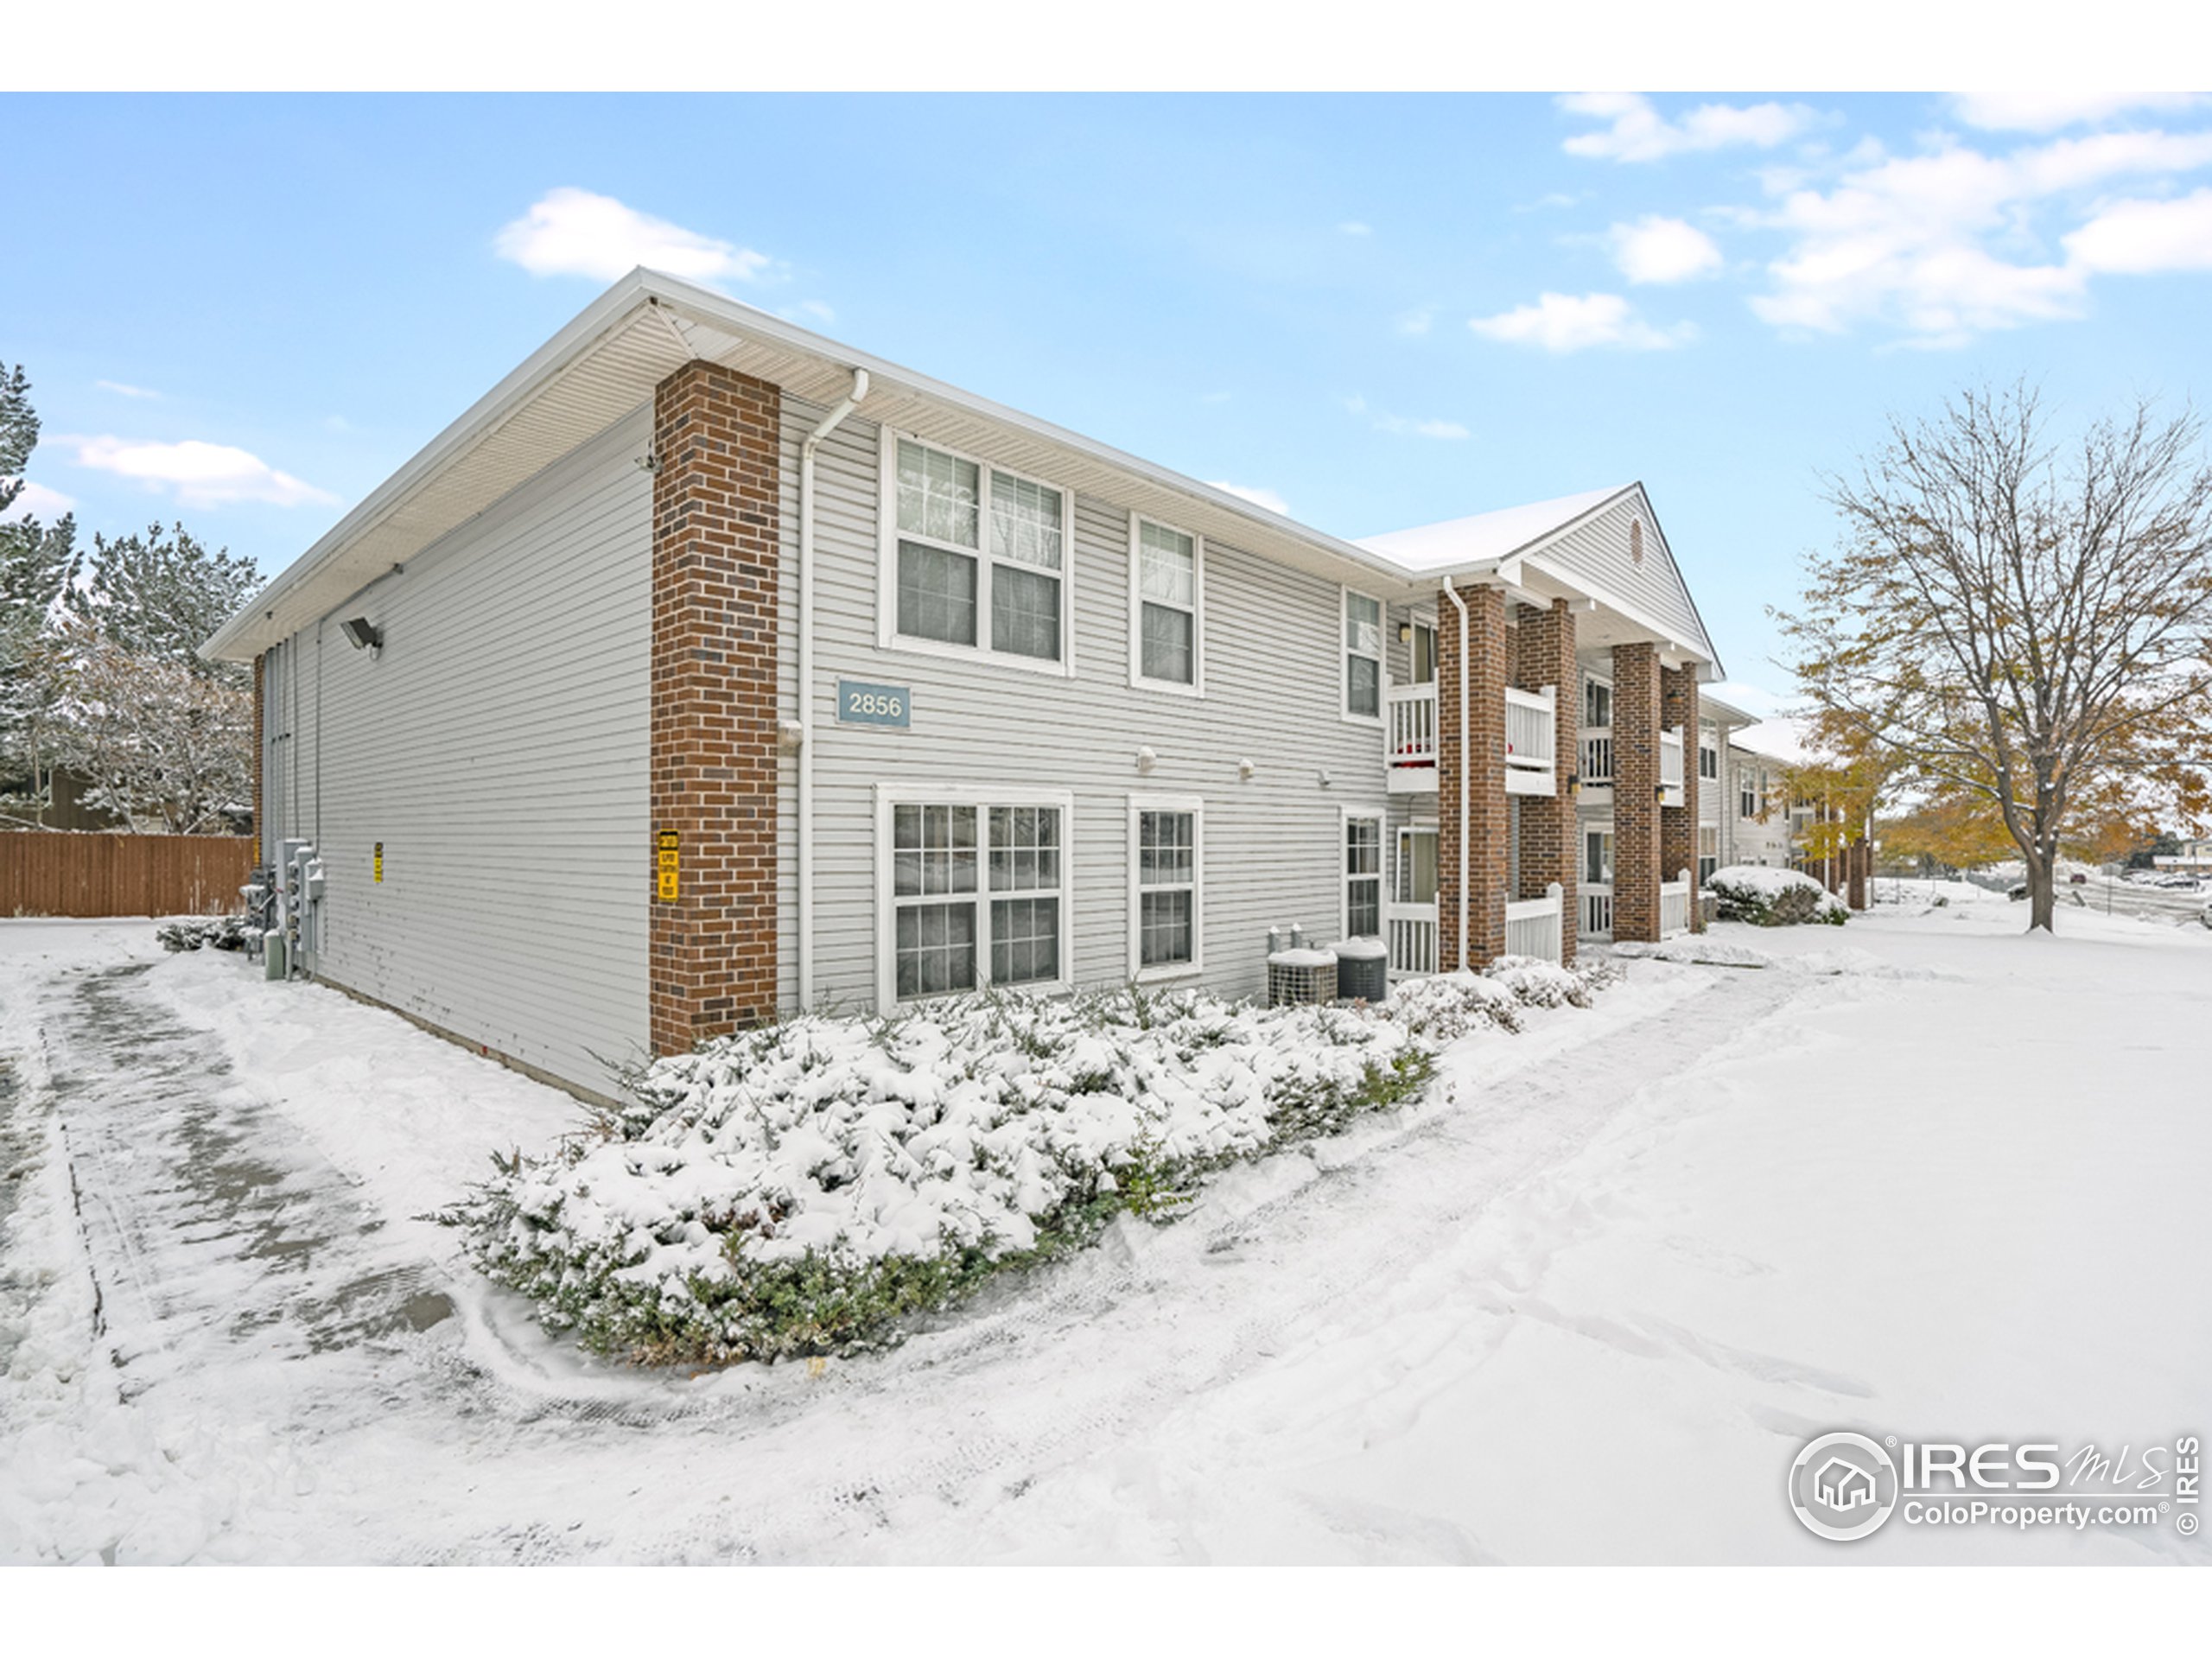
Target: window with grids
1168 605
1708 752
1362 656
1708 852
1167 888
1751 789
981 554
977 895
1362 878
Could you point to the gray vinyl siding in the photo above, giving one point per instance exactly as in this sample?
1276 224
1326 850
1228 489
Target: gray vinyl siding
498 750
1599 551
1272 853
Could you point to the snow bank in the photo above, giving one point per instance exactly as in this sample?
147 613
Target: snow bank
799 1189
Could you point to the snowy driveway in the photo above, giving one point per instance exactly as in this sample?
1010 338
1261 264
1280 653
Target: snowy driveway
1587 1307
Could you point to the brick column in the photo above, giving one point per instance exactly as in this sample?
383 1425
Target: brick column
1549 852
1636 791
1678 706
1473 805
715 546
260 756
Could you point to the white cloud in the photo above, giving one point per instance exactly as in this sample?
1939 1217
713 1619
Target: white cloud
2140 237
1403 426
1660 249
1754 700
1637 132
122 390
36 501
1569 322
200 475
1355 227
1257 497
1945 243
1415 322
2048 111
1215 396
571 232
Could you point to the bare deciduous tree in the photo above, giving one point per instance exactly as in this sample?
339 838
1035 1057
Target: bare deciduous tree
2025 619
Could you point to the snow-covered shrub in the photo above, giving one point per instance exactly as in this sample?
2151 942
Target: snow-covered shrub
1767 897
799 1189
198 932
1444 1007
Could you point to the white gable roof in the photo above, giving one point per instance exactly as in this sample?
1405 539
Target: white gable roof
1460 542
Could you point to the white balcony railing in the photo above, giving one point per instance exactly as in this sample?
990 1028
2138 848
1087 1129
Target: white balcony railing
1670 766
1531 741
1596 910
1410 728
1534 926
1675 906
1412 935
1596 757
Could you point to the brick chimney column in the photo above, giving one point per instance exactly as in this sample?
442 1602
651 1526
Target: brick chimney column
1472 804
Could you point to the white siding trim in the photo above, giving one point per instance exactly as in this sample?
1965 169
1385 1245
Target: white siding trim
888 637
1196 806
982 798
1137 676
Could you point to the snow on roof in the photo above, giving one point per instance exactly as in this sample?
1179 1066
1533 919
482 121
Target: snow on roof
1487 535
1779 739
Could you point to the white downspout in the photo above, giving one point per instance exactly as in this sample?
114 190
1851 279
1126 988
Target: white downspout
1466 758
829 424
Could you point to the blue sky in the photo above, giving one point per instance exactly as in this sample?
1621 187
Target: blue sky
1380 311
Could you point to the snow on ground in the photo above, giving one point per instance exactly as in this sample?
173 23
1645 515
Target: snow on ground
1923 1176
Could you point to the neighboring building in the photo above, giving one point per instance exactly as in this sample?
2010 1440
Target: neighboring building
1070 719
1757 828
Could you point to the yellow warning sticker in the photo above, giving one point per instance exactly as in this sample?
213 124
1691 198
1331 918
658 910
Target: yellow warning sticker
665 860
380 864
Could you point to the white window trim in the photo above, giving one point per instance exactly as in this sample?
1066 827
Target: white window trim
1380 816
1345 597
1196 806
982 798
888 637
1588 827
1138 677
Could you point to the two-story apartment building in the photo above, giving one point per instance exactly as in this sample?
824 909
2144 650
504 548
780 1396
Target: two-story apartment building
708 669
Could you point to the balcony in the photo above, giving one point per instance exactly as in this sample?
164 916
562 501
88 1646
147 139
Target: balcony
1410 741
1409 723
1597 762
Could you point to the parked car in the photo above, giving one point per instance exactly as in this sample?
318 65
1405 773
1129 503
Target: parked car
2078 879
2018 890
2205 914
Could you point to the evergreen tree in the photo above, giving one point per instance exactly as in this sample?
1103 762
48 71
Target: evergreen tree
163 595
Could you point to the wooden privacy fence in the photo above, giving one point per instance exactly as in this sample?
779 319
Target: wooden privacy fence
122 876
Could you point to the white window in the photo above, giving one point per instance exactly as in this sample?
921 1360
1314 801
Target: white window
1750 792
1362 857
974 559
974 891
1597 702
1363 657
1708 852
1708 752
1166 607
1166 863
